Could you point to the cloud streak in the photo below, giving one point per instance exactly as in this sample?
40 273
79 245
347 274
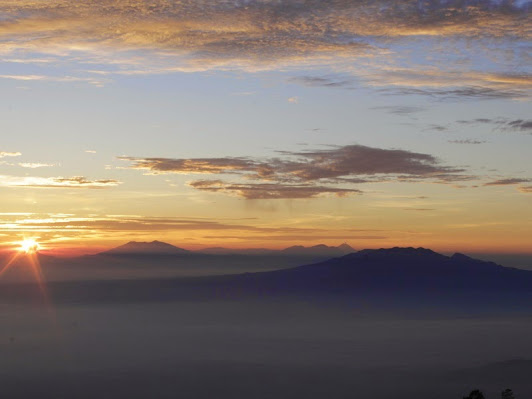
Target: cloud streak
4 154
56 182
522 125
508 181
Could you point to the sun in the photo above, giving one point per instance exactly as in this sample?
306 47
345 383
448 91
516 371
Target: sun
29 246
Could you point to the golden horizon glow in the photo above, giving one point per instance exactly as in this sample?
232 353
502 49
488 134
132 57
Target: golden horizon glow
265 124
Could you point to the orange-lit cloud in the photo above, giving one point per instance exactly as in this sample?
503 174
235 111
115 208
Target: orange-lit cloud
158 36
438 82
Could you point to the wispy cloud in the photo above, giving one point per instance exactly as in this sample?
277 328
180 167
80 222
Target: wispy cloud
4 154
48 78
440 83
56 182
35 165
398 109
467 141
270 190
322 81
523 125
62 227
507 181
130 223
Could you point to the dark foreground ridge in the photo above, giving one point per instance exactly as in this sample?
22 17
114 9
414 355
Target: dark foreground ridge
383 277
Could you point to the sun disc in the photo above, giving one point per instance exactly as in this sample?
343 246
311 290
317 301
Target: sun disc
29 246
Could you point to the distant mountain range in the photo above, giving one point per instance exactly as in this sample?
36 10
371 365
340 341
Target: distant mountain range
162 248
413 277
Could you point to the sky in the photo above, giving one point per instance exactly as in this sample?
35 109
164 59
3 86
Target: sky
266 123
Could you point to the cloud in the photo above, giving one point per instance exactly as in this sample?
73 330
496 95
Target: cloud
322 81
56 182
270 191
501 123
508 181
520 124
132 37
467 141
305 174
34 165
304 166
525 189
83 229
130 223
4 154
452 84
398 109
193 165
293 100
299 237
61 79
440 83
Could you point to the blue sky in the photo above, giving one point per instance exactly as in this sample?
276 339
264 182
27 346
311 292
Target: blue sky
410 119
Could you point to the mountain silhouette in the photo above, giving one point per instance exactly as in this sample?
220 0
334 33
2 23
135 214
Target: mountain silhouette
387 279
404 269
319 250
146 248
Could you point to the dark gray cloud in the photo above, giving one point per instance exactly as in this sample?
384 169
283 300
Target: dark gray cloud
507 181
520 124
304 166
306 174
323 81
437 128
467 141
524 125
399 109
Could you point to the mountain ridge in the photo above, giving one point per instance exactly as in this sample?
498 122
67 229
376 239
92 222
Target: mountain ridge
162 248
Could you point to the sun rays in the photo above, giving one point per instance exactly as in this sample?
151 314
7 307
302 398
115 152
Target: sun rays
26 256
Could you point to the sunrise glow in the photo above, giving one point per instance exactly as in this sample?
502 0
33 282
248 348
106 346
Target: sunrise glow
29 246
